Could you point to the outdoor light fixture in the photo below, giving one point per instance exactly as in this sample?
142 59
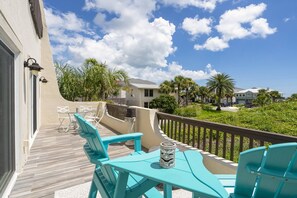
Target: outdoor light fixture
34 67
43 79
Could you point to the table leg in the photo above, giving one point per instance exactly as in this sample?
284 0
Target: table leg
120 189
167 191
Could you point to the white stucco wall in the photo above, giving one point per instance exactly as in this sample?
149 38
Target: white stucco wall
17 32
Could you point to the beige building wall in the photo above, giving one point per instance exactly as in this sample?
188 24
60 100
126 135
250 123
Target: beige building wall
135 97
17 32
50 95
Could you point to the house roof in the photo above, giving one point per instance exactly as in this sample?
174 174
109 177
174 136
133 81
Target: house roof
144 84
253 90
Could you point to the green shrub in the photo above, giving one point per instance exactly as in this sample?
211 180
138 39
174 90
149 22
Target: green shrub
164 103
189 111
207 107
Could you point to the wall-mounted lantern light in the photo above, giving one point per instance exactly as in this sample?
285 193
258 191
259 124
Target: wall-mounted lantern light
43 79
34 67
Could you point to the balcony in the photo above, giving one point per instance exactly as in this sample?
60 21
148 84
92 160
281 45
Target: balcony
57 160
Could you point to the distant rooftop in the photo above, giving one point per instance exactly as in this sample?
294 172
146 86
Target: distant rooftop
253 90
144 84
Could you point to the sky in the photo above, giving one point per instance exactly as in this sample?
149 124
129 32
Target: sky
252 41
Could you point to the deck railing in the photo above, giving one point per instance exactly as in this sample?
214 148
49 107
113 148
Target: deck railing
117 111
222 140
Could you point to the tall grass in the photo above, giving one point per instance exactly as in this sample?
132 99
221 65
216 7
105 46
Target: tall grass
277 117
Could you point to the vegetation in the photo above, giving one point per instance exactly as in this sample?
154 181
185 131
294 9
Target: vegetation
203 92
278 117
220 84
188 111
263 98
293 97
164 103
184 87
93 81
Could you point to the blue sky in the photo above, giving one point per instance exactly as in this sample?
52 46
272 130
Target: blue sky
252 41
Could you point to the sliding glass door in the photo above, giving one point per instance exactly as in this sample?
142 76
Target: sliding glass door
7 155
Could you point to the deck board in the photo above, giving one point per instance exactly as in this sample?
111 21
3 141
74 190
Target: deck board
57 161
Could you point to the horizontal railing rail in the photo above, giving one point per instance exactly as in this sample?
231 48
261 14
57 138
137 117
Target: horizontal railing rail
220 139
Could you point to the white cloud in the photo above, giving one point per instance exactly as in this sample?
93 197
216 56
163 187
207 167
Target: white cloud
208 5
133 40
261 27
195 26
286 19
176 69
239 23
232 21
213 44
131 37
159 75
60 22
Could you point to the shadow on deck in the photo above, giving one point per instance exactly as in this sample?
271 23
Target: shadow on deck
57 161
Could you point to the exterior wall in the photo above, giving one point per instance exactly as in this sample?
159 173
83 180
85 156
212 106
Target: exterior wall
246 97
17 32
136 97
50 96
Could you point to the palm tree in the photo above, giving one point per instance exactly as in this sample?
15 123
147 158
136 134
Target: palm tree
203 92
69 81
166 87
263 98
220 84
113 79
194 91
95 79
230 95
275 95
187 84
178 83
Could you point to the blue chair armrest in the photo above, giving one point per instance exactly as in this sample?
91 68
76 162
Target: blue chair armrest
123 138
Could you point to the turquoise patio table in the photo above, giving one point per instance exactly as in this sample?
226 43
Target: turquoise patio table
189 173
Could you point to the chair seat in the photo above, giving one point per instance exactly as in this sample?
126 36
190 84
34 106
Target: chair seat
228 181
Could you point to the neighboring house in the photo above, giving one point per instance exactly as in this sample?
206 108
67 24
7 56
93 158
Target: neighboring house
141 92
247 96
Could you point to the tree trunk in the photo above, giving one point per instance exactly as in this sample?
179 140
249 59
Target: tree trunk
187 97
178 95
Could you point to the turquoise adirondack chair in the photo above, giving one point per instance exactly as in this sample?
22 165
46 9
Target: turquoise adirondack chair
265 173
105 177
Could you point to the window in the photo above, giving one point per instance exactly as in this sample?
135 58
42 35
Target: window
146 105
7 156
151 92
148 93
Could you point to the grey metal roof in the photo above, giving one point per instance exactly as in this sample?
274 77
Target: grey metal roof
140 81
144 84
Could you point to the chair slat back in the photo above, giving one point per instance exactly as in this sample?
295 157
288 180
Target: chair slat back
245 182
90 133
271 173
279 162
95 148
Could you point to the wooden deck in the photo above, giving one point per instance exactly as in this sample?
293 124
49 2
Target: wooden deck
56 162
